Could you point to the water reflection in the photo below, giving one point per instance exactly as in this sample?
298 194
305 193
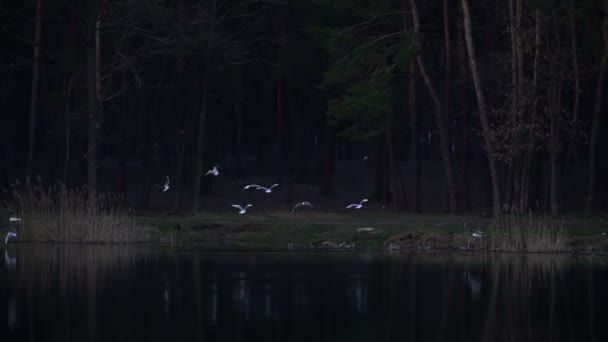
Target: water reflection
121 293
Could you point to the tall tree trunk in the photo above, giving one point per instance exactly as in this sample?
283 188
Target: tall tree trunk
597 111
576 104
462 141
34 99
414 152
94 100
485 122
277 153
148 156
395 184
66 155
414 143
239 102
526 176
328 147
440 122
202 118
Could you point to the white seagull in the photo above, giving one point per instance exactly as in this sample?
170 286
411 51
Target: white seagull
213 171
9 236
166 186
300 205
14 219
357 206
241 209
477 234
259 187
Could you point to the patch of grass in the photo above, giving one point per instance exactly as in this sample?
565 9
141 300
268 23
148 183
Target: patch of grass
58 214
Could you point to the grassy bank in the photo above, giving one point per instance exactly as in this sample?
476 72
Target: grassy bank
377 230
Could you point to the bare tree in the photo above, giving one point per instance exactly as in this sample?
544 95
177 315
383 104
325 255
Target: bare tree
485 122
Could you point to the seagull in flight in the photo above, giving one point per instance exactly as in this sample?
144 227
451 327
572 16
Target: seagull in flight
300 205
14 219
259 187
241 209
9 236
166 186
213 171
357 206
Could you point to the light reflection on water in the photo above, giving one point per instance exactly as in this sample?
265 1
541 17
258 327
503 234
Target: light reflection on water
102 293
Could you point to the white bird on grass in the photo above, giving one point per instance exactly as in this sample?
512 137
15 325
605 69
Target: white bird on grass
213 171
357 206
241 209
165 187
300 205
9 236
259 187
14 219
477 234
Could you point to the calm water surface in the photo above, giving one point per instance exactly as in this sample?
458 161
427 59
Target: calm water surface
95 293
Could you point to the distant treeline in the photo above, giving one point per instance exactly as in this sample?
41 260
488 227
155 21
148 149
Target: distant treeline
516 85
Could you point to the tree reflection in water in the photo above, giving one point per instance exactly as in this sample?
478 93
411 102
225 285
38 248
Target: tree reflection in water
108 293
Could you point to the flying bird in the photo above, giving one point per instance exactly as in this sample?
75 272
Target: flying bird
14 219
259 187
166 186
241 209
9 236
357 206
213 171
300 205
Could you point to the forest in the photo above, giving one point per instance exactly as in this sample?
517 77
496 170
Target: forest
506 96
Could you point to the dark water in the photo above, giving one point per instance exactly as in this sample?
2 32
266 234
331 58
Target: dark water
95 293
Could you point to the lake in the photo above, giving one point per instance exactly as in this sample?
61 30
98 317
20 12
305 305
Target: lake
136 293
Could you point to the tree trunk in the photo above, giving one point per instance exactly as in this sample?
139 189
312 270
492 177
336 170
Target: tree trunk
440 122
462 127
485 123
414 143
595 123
34 99
575 109
200 140
526 176
66 155
328 146
93 89
148 155
395 184
277 153
238 119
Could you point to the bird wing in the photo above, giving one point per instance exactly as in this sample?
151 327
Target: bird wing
252 186
167 182
208 172
273 185
307 203
237 206
351 206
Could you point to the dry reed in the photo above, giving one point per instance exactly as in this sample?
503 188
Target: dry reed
58 214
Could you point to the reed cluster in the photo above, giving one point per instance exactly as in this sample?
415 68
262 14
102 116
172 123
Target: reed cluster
59 214
525 233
